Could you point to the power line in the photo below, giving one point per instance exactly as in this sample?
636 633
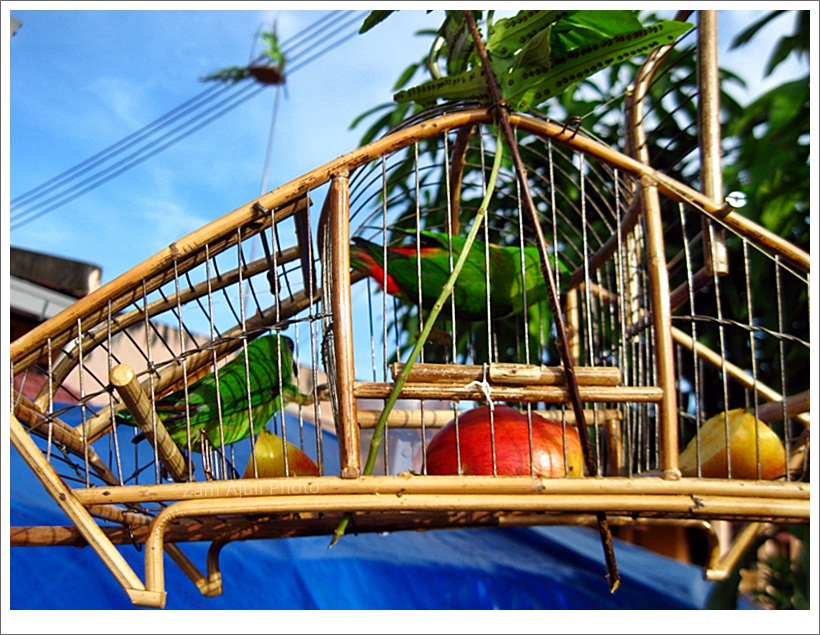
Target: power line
317 34
183 109
135 159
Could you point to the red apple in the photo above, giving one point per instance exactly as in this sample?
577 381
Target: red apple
512 446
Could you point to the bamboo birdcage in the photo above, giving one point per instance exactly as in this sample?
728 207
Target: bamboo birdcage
653 329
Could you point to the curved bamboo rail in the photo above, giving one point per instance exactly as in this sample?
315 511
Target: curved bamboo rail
288 200
440 485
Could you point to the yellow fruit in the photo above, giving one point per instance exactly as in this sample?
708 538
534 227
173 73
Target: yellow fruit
270 460
742 427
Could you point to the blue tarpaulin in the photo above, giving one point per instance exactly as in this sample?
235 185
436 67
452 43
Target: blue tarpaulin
487 568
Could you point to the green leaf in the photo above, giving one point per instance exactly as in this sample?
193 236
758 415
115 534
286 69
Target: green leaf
528 86
535 73
273 50
373 19
747 34
406 76
509 35
367 113
470 85
537 51
232 74
783 49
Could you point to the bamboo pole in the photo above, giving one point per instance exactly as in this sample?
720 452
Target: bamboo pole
664 356
714 247
664 359
338 211
78 515
56 431
210 585
573 323
510 374
456 174
114 514
723 567
139 405
266 527
428 418
795 406
287 487
550 394
687 506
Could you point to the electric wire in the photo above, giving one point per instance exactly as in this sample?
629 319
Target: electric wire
301 38
200 111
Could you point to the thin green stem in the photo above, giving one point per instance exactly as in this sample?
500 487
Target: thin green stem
378 431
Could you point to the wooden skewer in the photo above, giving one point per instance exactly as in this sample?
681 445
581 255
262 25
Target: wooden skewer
139 404
744 378
796 405
511 374
457 391
64 435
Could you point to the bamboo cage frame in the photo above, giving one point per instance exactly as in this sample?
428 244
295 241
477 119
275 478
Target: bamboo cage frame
265 508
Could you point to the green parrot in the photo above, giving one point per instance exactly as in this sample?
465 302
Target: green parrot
266 399
470 292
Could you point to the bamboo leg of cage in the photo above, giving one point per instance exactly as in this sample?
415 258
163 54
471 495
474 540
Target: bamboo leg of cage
139 404
723 567
210 585
80 517
338 210
662 324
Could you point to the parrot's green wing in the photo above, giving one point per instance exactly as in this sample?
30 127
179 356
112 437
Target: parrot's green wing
227 391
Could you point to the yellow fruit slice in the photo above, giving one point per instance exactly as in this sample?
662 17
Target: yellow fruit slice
742 428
